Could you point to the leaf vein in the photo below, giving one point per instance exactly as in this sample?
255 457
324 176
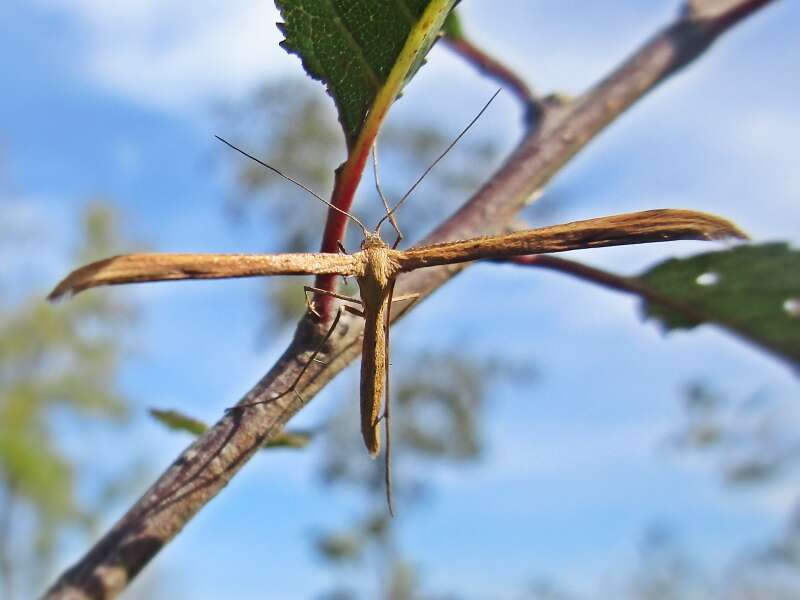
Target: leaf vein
372 76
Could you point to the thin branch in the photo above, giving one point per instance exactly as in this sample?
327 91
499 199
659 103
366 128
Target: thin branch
494 68
637 287
606 279
203 469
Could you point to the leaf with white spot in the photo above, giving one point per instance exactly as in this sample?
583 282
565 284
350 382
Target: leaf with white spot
752 290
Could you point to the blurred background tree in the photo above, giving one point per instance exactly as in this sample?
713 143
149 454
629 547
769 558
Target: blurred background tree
753 443
56 363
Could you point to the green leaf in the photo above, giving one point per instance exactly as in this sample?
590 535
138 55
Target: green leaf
290 439
177 421
452 27
64 358
752 290
340 547
363 51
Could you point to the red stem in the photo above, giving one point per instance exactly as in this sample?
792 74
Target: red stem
348 176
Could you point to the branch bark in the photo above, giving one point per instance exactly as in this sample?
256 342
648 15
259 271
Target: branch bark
207 465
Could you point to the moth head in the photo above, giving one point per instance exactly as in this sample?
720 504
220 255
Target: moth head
372 240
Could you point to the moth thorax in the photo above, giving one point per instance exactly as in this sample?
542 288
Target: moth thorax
380 267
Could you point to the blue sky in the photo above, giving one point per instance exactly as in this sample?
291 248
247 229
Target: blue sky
116 100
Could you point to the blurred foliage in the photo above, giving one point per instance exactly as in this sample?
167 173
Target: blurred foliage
667 571
544 589
756 444
55 362
754 438
664 571
178 421
453 28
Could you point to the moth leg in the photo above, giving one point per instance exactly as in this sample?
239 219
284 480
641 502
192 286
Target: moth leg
342 249
355 311
405 297
310 303
293 388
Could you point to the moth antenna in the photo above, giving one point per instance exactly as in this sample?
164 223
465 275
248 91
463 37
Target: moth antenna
439 158
297 183
375 171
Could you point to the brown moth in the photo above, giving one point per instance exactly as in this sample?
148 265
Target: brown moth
376 267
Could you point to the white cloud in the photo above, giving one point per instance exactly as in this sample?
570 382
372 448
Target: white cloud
177 55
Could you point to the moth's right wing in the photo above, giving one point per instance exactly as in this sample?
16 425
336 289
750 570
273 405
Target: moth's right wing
662 225
135 268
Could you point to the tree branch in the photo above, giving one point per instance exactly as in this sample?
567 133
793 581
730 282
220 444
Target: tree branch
206 466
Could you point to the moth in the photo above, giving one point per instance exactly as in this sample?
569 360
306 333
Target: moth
376 266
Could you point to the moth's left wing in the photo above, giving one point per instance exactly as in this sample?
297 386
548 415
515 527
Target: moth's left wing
134 268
